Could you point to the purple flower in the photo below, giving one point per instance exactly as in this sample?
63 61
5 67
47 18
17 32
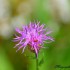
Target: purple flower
34 35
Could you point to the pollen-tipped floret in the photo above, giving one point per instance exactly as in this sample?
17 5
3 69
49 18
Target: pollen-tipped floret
33 35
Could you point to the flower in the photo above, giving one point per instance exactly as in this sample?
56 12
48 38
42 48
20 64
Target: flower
33 35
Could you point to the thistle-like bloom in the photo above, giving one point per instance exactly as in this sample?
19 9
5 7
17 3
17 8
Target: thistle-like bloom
33 35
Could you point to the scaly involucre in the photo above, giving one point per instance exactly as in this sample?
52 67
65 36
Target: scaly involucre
34 35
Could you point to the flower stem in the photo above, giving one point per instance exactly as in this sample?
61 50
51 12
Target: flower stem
37 64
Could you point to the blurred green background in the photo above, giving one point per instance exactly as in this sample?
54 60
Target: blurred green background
55 14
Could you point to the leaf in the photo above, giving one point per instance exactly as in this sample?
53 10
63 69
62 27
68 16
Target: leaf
41 62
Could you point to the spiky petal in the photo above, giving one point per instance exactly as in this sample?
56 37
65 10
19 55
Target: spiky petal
33 35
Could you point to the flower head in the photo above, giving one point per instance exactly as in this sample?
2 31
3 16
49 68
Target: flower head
33 35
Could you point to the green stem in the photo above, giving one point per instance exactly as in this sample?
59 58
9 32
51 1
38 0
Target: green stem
37 64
